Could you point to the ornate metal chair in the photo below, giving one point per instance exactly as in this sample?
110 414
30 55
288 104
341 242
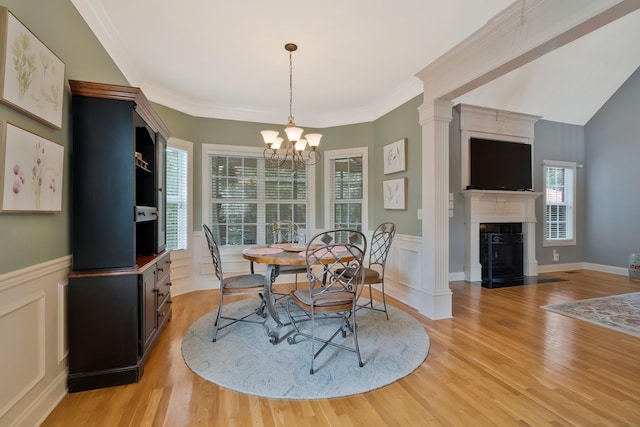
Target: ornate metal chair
374 272
235 285
331 295
378 253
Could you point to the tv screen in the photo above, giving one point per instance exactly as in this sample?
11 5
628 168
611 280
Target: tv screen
500 165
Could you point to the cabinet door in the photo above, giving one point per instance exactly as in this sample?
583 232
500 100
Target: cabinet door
161 158
148 310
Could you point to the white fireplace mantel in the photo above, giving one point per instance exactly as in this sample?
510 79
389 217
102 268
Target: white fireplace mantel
494 206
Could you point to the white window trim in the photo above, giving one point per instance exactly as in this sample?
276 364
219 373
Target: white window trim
188 147
566 165
235 150
340 154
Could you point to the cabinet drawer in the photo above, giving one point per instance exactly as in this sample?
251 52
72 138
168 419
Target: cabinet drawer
164 267
164 290
146 213
164 311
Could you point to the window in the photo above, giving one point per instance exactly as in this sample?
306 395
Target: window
245 193
346 200
177 190
560 192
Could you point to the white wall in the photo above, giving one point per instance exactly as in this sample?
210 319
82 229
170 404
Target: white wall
33 336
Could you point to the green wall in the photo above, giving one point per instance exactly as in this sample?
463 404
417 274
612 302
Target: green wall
397 124
32 238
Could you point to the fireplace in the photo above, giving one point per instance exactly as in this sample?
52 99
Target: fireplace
485 206
501 254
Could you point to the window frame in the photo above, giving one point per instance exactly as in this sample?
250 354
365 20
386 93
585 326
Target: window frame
247 151
328 193
571 205
188 147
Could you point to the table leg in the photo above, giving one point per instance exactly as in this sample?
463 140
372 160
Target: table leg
270 277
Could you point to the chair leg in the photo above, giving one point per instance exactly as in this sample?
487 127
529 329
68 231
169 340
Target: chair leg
355 335
216 325
313 340
384 301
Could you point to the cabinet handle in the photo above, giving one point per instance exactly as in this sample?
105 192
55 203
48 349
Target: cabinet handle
161 294
143 213
169 302
169 284
160 269
162 314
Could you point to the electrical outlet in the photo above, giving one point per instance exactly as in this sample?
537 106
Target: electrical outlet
556 256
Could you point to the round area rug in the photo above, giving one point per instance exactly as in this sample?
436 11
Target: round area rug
243 359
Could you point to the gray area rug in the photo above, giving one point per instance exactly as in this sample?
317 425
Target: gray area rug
244 360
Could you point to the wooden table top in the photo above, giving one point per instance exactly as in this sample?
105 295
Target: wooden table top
280 258
290 256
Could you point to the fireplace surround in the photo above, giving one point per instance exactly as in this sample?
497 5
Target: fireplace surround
496 206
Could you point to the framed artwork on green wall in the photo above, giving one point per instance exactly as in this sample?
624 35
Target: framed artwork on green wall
394 191
31 76
31 171
395 156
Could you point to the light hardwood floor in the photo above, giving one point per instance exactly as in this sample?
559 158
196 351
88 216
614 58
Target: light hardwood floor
501 360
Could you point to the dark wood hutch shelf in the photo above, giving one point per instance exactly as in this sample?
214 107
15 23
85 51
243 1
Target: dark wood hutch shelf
119 295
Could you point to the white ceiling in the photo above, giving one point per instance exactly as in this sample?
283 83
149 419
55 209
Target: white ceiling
356 59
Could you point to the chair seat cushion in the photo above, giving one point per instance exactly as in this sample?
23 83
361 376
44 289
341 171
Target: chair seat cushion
369 273
326 299
244 281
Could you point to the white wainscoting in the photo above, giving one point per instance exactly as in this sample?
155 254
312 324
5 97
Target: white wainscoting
402 279
34 352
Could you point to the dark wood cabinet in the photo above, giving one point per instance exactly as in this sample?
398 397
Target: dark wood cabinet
119 287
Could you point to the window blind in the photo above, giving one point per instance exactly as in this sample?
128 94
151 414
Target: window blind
176 193
347 186
247 193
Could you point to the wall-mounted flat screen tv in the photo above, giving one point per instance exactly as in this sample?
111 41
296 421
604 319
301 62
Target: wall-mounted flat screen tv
500 165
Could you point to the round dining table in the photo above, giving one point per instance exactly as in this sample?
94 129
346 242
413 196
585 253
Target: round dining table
274 257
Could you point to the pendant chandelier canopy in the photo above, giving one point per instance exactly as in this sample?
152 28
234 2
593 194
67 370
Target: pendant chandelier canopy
296 148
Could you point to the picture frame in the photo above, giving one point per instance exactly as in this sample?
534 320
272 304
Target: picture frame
31 76
394 193
31 171
395 157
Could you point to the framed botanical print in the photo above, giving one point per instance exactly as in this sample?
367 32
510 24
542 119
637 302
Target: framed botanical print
394 191
395 156
31 76
31 171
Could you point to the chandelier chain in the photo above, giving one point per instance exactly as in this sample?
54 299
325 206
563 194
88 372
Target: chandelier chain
290 88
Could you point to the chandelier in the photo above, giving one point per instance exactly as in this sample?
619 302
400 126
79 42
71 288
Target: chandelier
296 148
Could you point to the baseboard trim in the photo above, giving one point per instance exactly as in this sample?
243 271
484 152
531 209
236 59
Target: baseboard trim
45 403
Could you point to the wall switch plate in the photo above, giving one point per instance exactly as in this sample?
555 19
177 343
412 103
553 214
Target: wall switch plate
419 213
556 256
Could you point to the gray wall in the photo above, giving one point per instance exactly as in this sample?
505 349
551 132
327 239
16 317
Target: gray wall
560 142
613 176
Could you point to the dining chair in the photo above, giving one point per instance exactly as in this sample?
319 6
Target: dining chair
330 296
374 272
282 232
245 284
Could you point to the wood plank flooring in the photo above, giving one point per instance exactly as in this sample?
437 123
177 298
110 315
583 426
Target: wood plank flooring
501 360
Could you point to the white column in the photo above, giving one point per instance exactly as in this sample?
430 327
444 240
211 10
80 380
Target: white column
435 116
